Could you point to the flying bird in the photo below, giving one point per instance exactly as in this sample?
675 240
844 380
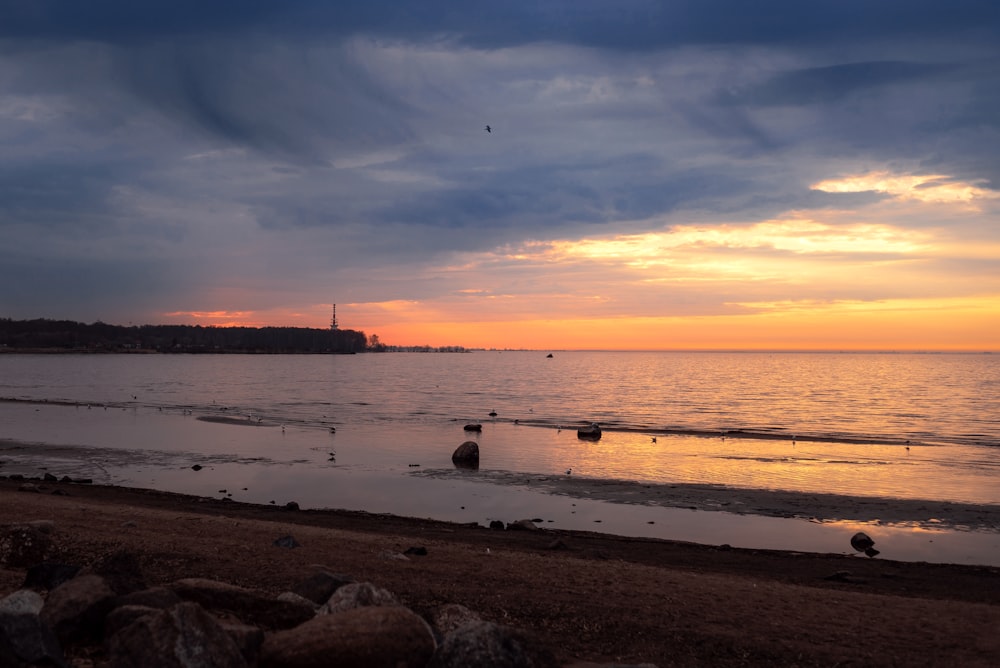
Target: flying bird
488 129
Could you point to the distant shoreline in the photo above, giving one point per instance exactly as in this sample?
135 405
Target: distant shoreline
150 351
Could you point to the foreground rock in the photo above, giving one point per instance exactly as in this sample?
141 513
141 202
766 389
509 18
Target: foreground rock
488 644
24 637
76 609
247 605
185 636
358 638
201 623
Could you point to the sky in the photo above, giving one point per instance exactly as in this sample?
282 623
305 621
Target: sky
686 174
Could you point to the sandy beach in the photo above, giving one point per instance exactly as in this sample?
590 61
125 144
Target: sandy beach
586 596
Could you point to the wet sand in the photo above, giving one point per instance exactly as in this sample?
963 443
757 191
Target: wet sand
767 503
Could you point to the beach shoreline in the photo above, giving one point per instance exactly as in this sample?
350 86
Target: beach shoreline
745 501
904 529
614 598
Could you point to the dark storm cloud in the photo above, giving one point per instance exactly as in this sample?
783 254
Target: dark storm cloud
826 85
81 288
54 194
629 24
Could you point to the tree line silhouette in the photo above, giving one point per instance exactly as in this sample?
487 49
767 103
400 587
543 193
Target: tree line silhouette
65 335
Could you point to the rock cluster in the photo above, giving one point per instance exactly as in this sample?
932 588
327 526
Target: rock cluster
326 619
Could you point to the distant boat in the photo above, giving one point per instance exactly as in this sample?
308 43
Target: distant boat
590 433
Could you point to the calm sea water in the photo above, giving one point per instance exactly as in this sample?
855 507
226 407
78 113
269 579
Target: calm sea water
932 399
918 426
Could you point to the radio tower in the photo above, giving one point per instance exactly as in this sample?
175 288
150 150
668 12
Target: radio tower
333 318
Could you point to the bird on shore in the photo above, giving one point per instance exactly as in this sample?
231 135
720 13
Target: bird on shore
569 471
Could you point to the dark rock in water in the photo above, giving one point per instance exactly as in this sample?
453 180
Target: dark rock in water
466 455
548 356
370 636
862 542
590 433
196 467
183 636
49 575
489 644
287 541
473 427
871 551
497 525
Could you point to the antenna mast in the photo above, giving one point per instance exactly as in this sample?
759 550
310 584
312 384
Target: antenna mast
333 318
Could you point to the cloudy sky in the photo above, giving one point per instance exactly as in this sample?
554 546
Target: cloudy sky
672 174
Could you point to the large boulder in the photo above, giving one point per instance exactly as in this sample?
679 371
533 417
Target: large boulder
185 636
319 586
76 609
451 616
466 455
250 606
357 595
358 638
49 574
488 644
121 570
24 638
23 546
160 598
